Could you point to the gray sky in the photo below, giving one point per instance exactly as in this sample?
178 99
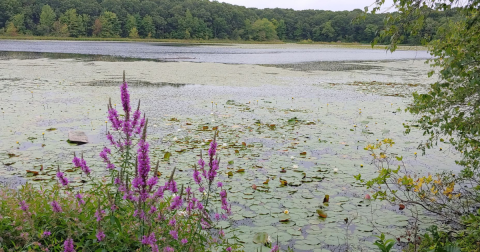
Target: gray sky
334 5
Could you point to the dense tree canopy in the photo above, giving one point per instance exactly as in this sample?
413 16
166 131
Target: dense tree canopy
196 19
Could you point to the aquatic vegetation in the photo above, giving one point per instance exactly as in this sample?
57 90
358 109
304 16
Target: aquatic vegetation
127 210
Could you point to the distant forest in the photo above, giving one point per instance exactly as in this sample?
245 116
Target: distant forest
196 19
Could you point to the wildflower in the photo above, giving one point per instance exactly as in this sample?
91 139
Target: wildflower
24 206
174 234
153 209
172 222
286 212
56 207
125 96
63 180
221 233
168 249
335 170
184 241
80 199
68 245
46 233
275 249
99 214
196 176
219 184
100 235
229 249
199 205
176 203
149 240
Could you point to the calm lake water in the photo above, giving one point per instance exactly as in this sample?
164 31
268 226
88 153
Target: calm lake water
211 53
329 111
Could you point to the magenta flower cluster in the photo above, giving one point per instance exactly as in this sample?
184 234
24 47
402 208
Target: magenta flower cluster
141 187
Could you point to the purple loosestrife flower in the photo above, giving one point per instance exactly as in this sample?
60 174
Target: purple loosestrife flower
84 166
177 203
196 177
99 214
140 126
100 235
172 222
184 241
275 249
80 199
172 186
63 180
174 234
219 184
46 233
68 245
76 161
104 156
229 249
153 209
110 138
23 206
56 207
114 118
125 96
136 117
154 248
168 249
149 240
200 206
213 148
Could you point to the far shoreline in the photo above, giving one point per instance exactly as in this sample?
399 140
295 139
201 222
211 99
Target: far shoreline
261 44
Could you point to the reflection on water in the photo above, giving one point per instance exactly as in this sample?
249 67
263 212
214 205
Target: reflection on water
209 53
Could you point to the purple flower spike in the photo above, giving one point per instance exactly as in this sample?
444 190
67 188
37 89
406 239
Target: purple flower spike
275 249
80 199
219 184
184 241
46 233
56 207
63 180
168 249
196 177
100 236
24 206
125 98
177 202
174 234
68 245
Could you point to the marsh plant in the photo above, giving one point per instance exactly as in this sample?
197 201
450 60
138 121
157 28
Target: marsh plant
132 209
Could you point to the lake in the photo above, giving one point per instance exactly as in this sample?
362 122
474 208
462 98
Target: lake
326 101
232 54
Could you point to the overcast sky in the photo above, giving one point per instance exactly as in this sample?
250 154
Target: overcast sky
335 5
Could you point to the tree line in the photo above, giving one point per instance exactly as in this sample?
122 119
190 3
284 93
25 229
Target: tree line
197 19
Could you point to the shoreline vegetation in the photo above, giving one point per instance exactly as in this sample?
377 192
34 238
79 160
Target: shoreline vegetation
214 42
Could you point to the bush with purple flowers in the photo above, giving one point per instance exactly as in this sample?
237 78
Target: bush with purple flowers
132 210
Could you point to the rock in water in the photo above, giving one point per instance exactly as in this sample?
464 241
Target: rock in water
77 137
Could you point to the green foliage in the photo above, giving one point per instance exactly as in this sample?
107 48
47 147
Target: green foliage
264 30
74 23
47 19
108 25
383 244
206 20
